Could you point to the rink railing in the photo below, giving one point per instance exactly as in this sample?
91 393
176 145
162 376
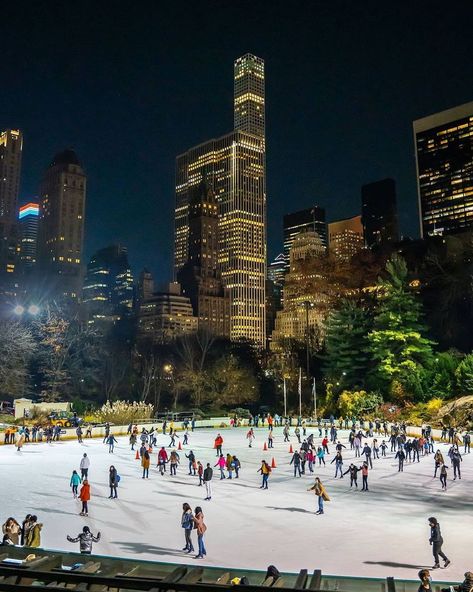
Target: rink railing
47 569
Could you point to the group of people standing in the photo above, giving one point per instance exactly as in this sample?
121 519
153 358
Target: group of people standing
27 534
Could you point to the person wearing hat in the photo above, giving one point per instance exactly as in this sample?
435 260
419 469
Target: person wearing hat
85 540
436 540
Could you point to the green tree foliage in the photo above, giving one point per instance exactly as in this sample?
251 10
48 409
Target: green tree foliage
347 356
399 348
441 378
357 403
464 375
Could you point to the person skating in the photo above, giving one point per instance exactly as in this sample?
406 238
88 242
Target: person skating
221 463
111 441
187 523
133 441
185 439
286 433
353 470
270 439
79 434
466 443
173 462
145 462
74 483
201 529
383 447
229 465
218 443
12 529
297 433
364 475
162 460
400 454
236 466
207 477
375 449
456 459
85 540
84 466
338 460
325 445
436 540
443 477
296 461
191 458
173 435
439 461
250 436
367 454
113 482
320 455
200 473
310 460
265 471
321 494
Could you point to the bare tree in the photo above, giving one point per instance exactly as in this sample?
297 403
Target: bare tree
17 346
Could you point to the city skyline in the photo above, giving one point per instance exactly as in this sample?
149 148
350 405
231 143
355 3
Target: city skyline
362 123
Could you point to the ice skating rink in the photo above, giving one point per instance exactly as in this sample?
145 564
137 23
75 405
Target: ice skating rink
379 533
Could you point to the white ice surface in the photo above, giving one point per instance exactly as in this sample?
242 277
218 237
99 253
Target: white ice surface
379 533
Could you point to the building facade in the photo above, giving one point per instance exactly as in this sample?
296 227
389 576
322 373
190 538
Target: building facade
61 227
444 164
379 213
234 166
165 316
28 219
108 292
305 305
200 277
310 219
11 149
345 238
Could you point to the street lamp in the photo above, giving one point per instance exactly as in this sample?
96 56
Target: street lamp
33 309
19 310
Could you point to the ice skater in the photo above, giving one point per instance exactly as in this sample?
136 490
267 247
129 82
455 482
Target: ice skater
84 466
265 471
75 482
218 443
353 470
113 482
338 460
145 462
84 496
111 441
207 478
250 436
187 523
443 477
85 540
321 494
439 461
436 540
364 475
400 454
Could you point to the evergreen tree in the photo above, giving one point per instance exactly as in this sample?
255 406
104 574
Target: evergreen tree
399 348
464 375
347 357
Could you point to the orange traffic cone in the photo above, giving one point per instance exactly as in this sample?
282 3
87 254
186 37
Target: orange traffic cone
290 449
137 456
265 447
179 447
273 464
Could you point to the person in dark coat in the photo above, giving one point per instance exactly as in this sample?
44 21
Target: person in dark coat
436 541
113 482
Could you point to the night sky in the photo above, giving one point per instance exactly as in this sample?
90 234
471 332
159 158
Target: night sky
131 87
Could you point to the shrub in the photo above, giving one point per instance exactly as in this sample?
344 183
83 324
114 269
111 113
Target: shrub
123 412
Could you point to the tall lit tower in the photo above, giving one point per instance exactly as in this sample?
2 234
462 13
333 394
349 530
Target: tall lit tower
11 147
28 217
248 95
61 226
234 166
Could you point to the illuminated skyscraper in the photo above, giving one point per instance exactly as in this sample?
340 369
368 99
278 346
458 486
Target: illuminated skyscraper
379 213
28 221
311 219
108 285
200 277
345 238
444 161
11 147
61 226
234 166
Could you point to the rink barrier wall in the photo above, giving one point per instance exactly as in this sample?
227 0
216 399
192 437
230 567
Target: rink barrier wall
50 565
218 423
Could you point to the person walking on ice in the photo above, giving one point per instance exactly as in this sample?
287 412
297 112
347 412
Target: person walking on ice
84 466
207 476
111 441
187 523
85 540
250 436
265 471
321 494
75 482
436 540
84 497
218 443
443 477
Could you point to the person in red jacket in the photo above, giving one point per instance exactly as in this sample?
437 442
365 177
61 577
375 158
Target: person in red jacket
162 460
218 444
325 445
84 496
